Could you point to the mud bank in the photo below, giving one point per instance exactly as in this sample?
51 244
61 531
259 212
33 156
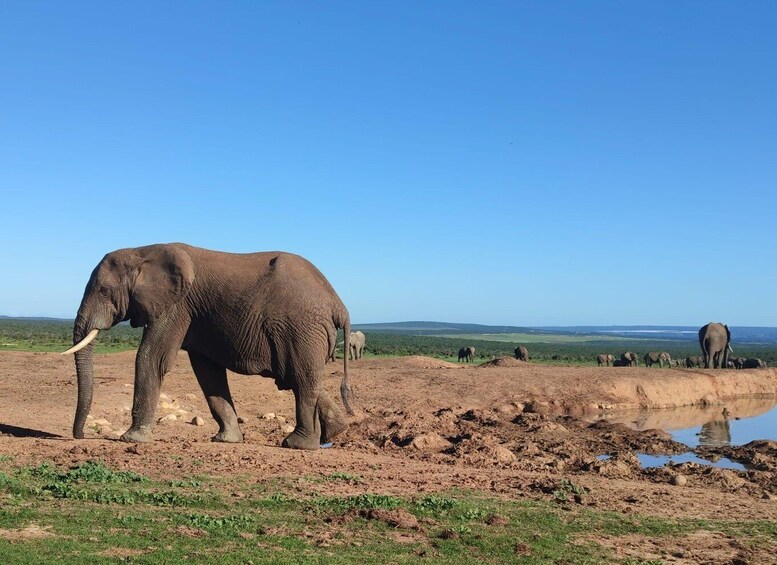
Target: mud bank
585 390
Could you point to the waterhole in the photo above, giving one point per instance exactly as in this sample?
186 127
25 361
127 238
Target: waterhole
736 422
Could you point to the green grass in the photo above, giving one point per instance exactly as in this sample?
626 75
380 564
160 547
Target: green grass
191 521
56 336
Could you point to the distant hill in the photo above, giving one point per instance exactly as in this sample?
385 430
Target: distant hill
36 319
447 328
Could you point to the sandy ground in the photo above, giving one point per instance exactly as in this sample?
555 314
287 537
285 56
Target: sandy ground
508 428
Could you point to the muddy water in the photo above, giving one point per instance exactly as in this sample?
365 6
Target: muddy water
736 422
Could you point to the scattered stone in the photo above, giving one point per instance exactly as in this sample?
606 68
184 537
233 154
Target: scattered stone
190 396
268 416
163 396
287 429
678 480
165 405
78 449
431 442
281 419
167 419
102 422
197 421
506 408
503 455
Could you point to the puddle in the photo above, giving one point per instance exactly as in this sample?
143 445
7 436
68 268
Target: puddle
734 423
650 461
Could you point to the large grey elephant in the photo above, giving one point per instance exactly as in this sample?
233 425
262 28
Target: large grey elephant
357 345
659 357
630 359
754 363
521 353
715 342
271 314
605 359
467 353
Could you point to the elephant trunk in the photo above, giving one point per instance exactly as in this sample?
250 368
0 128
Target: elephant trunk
85 373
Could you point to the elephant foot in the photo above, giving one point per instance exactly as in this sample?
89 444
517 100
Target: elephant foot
141 434
331 428
229 436
296 440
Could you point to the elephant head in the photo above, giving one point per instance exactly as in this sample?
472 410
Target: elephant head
140 285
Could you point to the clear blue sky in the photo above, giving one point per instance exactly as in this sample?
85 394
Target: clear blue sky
523 163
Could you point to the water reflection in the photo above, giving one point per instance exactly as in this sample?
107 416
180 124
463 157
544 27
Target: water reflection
735 423
715 433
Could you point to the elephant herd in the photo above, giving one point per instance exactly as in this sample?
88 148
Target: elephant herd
467 354
715 343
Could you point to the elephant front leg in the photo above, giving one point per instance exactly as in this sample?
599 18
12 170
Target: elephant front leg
157 353
213 382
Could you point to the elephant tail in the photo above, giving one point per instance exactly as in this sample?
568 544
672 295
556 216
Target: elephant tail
345 387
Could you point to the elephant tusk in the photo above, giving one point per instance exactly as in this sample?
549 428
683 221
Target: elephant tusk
83 343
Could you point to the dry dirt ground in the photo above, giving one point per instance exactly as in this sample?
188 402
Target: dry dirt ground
507 428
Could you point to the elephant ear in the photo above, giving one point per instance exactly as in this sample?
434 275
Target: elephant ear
165 274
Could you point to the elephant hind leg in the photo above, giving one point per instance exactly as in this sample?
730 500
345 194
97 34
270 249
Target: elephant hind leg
319 419
330 417
213 382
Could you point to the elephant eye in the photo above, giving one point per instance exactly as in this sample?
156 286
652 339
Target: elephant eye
105 291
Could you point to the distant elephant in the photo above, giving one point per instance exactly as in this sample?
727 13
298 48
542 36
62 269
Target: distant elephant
620 363
715 342
521 353
630 358
357 345
753 363
694 361
605 359
659 357
467 353
739 362
271 314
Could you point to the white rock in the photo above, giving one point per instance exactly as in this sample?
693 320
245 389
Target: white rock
163 396
167 419
197 421
287 429
268 416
